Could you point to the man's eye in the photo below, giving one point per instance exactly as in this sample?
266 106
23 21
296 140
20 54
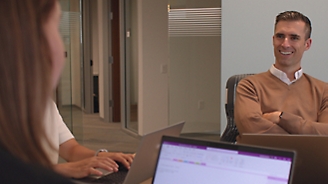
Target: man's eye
279 36
294 38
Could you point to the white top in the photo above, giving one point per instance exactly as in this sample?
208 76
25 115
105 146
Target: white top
56 130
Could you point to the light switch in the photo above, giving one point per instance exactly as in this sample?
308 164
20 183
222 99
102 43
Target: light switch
164 68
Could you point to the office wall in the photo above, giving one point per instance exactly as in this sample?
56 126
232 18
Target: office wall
94 36
194 82
98 52
133 72
247 29
152 53
194 65
101 52
190 90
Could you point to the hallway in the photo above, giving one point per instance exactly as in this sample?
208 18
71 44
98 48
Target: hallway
95 134
98 134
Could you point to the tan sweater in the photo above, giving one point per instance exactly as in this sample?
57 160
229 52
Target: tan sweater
304 104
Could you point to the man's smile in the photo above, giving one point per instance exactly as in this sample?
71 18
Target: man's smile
285 52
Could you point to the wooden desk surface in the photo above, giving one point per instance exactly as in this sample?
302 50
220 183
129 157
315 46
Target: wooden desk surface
147 181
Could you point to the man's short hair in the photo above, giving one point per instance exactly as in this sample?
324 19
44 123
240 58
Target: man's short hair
295 16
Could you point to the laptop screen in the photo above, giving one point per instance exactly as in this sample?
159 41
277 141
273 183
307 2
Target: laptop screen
311 164
183 160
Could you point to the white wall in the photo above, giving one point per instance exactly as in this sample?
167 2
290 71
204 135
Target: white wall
134 53
167 98
247 29
194 63
153 52
94 41
194 82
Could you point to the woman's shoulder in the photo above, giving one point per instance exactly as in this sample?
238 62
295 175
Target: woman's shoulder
14 170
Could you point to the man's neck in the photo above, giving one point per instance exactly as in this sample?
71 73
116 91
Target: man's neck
290 75
290 72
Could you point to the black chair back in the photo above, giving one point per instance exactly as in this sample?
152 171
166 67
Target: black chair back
231 132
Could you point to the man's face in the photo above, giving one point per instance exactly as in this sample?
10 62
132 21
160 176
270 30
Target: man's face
289 42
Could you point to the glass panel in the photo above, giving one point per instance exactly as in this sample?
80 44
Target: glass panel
131 66
194 47
69 89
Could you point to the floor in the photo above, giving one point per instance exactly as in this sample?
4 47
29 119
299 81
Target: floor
99 134
91 131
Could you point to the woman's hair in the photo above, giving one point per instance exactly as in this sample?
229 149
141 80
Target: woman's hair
25 74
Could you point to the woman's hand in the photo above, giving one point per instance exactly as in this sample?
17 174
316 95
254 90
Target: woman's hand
125 159
86 167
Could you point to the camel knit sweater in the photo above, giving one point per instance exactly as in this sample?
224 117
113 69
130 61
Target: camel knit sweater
303 103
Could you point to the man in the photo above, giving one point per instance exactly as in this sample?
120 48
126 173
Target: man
284 100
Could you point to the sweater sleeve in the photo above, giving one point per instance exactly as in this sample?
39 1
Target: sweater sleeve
298 125
247 111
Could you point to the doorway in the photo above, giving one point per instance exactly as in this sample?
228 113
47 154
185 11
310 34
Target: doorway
101 61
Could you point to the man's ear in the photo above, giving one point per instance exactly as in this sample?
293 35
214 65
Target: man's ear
273 40
308 43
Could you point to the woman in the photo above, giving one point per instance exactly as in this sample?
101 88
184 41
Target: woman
26 84
31 60
27 79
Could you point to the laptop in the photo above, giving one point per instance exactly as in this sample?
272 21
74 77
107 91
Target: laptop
144 161
311 164
183 160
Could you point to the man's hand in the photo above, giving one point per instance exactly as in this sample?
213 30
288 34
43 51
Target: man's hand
125 159
272 116
86 167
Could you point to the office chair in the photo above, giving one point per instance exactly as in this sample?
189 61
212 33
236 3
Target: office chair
231 132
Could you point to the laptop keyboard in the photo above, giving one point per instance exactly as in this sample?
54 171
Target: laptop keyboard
114 178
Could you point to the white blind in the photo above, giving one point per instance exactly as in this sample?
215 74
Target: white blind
195 22
69 24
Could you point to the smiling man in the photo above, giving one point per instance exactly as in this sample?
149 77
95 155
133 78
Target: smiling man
284 100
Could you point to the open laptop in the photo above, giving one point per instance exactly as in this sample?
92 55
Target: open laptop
311 164
144 161
182 160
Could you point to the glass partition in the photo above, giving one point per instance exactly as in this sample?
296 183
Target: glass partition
130 65
68 95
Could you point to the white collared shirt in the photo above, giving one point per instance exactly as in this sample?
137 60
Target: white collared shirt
283 76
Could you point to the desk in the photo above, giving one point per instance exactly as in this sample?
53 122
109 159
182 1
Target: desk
147 181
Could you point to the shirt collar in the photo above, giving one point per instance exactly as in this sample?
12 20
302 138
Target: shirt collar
283 76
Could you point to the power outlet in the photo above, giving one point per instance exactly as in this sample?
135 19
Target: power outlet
201 104
164 68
